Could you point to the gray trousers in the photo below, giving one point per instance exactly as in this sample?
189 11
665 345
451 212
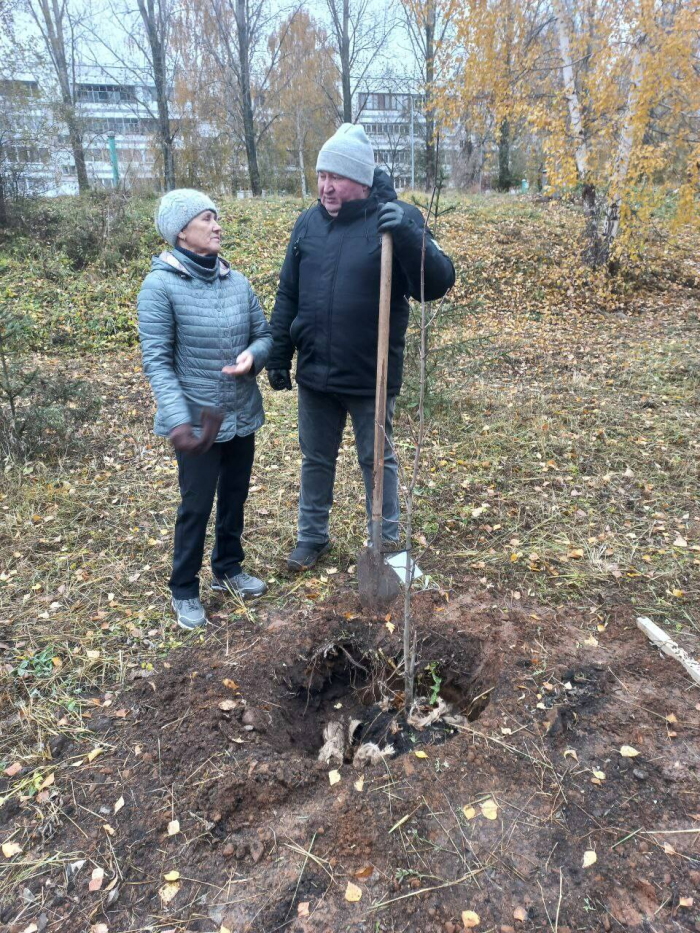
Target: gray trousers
322 417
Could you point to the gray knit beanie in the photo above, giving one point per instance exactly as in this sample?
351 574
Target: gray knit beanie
348 153
177 208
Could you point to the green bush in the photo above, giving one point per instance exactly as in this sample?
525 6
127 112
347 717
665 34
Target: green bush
41 416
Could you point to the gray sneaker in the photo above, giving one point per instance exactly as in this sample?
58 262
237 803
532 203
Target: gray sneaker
190 613
243 584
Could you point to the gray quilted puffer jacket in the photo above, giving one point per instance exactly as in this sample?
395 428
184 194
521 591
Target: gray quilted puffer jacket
192 322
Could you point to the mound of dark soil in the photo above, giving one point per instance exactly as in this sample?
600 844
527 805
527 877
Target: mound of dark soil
493 812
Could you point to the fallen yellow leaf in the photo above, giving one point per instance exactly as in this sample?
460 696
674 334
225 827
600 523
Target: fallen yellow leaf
10 849
489 809
589 858
420 754
469 812
118 805
334 777
359 784
172 875
627 751
470 919
353 893
173 827
95 753
168 891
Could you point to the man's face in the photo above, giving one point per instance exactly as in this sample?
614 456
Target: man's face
334 191
202 235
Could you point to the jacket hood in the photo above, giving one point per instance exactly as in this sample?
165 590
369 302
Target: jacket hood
167 262
382 187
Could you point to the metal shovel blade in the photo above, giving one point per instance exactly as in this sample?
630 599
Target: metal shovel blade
377 582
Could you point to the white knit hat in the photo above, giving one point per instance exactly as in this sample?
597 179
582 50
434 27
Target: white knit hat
348 153
177 208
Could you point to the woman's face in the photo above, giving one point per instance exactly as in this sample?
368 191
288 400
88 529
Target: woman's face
202 235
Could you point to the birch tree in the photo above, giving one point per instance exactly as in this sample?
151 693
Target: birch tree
427 23
611 91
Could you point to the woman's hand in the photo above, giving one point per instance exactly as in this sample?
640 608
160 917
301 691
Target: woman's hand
244 364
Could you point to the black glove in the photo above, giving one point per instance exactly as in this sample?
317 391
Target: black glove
390 216
279 379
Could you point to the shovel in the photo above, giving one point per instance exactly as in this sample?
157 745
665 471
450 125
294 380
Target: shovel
378 583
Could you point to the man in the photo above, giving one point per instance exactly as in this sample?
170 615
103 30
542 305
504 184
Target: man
327 308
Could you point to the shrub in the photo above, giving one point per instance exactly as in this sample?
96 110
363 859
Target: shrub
41 416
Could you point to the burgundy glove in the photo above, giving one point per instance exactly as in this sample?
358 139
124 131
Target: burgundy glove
211 423
184 440
183 437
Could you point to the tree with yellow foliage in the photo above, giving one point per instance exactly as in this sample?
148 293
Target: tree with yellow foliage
611 88
303 86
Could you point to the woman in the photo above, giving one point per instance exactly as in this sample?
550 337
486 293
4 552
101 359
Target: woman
204 339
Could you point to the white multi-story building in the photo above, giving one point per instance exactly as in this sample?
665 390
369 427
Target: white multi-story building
109 103
395 125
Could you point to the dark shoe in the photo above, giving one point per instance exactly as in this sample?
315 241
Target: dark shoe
304 556
243 584
190 613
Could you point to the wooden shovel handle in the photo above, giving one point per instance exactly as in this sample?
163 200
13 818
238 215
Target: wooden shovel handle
380 399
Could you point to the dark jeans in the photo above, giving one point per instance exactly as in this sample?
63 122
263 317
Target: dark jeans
227 466
322 417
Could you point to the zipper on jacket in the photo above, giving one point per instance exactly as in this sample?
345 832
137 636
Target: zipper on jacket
330 306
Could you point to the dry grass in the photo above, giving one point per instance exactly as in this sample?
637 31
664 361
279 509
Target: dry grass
562 463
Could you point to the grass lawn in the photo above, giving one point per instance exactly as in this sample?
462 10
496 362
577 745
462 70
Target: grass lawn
561 466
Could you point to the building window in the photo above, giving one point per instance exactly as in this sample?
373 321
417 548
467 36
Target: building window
105 94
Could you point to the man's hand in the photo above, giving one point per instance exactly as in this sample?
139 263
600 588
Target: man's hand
390 216
244 364
183 439
279 379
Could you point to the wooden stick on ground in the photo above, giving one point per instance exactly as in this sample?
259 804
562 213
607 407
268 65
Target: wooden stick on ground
662 640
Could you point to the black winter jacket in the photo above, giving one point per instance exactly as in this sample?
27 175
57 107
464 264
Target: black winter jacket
327 305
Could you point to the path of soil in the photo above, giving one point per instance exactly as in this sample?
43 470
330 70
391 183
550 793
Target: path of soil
224 738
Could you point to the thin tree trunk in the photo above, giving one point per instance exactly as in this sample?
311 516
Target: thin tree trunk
52 32
504 179
592 251
345 63
155 31
246 98
3 199
430 166
300 155
571 95
622 162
